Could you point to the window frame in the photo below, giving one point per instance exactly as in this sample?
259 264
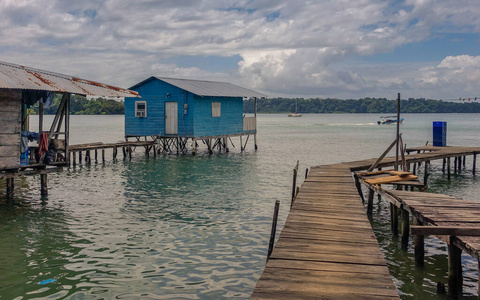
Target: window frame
137 111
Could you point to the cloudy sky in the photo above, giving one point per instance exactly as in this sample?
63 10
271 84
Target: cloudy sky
324 48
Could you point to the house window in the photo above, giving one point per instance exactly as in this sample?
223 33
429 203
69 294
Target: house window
140 109
216 110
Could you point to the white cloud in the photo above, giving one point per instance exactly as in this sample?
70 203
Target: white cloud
288 47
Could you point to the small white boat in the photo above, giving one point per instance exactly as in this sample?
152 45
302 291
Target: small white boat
295 114
389 120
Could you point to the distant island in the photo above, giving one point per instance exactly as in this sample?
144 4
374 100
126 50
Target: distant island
80 105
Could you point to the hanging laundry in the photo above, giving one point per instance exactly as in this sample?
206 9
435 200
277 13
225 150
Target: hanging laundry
43 143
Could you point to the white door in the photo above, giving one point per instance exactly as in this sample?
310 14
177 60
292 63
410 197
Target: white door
171 117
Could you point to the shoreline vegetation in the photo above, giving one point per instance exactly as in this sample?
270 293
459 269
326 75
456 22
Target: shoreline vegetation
80 105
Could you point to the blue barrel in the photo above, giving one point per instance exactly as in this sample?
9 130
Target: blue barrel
440 134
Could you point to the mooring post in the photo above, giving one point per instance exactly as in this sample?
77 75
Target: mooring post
405 227
371 193
274 229
448 168
454 270
473 168
43 184
419 244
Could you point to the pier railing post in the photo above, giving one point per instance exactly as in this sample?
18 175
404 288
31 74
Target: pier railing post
274 229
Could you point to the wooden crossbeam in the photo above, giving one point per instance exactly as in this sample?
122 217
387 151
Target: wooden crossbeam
445 230
391 179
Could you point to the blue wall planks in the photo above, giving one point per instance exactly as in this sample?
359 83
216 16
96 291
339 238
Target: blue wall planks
195 121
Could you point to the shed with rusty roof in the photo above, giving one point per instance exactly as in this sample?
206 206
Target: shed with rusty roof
21 87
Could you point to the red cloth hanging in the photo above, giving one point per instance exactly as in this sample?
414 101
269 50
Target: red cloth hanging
43 143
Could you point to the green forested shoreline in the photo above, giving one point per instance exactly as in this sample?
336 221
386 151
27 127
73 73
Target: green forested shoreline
364 105
100 106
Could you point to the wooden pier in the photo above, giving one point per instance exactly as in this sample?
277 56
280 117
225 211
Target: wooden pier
327 248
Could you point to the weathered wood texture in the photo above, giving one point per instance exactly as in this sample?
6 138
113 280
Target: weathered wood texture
327 248
10 128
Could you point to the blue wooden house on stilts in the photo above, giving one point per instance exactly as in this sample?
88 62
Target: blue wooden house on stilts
175 111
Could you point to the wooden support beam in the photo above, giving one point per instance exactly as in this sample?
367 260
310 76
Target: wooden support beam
419 244
473 167
455 279
43 184
448 167
395 220
426 173
445 230
359 187
405 227
371 193
294 184
10 187
375 164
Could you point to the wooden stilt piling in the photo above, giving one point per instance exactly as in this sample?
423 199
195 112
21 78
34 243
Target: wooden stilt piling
419 244
395 220
405 227
454 270
80 157
43 184
103 156
474 166
74 154
306 173
455 164
448 167
371 193
443 165
10 188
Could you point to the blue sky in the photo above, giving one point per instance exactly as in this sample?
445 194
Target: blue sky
327 48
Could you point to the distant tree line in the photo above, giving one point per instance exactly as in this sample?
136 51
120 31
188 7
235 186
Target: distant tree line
364 105
80 105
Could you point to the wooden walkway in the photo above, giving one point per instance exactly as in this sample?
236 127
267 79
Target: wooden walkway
327 248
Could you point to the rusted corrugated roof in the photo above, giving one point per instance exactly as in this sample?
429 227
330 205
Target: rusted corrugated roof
19 77
208 88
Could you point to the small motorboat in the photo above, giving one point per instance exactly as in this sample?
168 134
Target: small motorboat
389 120
294 114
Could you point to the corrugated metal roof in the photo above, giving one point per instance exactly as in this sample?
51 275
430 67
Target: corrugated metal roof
19 77
209 88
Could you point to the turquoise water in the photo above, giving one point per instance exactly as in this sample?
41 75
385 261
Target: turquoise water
188 227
